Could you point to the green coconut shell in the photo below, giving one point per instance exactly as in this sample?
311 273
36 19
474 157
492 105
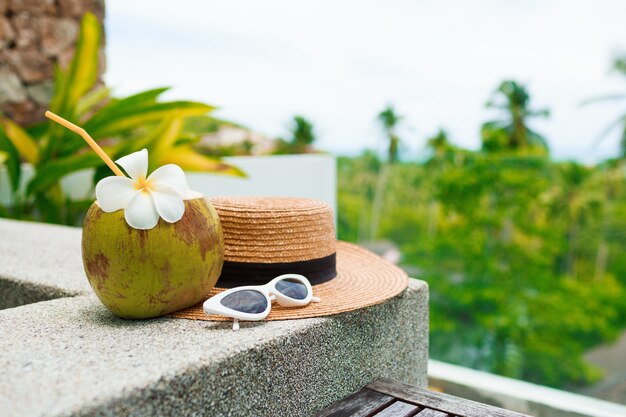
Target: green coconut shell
148 273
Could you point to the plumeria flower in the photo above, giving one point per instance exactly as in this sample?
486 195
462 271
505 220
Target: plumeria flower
145 199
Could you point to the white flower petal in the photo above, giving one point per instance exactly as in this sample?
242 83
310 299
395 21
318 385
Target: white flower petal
171 175
140 212
168 202
191 194
114 193
135 164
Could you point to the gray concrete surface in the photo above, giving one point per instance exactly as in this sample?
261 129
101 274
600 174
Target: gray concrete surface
71 357
39 262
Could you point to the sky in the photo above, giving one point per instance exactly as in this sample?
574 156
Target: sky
340 62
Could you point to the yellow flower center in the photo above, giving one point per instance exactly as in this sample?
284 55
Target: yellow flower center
143 185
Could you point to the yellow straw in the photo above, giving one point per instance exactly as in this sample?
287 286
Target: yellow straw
79 130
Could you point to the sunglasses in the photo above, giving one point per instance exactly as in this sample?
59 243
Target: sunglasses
254 302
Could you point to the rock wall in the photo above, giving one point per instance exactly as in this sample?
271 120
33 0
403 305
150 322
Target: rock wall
36 35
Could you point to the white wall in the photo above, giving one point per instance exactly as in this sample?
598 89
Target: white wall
312 176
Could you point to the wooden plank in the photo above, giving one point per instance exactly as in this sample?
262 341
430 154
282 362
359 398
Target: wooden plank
363 403
438 401
399 409
429 412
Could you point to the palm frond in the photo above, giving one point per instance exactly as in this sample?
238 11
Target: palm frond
605 132
599 99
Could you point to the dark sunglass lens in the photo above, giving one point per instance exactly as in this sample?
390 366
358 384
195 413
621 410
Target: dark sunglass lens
292 288
246 301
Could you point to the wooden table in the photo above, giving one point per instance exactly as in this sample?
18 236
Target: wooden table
387 398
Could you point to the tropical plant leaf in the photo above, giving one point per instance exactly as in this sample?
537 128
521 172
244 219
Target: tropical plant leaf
127 104
190 160
87 103
605 132
145 140
75 211
13 163
207 124
83 69
4 211
148 96
608 97
53 171
49 209
100 172
536 139
164 143
124 125
538 113
187 138
60 87
74 83
23 142
118 122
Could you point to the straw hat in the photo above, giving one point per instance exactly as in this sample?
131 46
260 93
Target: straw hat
268 236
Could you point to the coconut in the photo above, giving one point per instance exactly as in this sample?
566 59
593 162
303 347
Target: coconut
149 273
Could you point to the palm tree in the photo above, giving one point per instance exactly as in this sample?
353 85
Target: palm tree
302 137
619 65
302 133
511 132
439 144
389 120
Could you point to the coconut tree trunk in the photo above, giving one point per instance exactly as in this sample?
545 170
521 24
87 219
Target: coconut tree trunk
363 230
379 195
570 269
433 211
602 258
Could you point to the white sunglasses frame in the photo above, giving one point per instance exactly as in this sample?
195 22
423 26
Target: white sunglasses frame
214 306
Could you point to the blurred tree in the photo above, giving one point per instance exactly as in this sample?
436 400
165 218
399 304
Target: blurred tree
511 132
440 148
439 144
522 255
619 66
302 137
390 120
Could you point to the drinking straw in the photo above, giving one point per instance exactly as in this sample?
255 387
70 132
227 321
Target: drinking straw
83 133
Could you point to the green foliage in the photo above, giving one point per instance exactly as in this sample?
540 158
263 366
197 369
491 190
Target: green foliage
120 125
523 255
619 66
389 121
511 132
302 137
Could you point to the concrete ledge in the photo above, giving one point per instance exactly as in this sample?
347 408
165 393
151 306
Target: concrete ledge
14 293
39 262
72 357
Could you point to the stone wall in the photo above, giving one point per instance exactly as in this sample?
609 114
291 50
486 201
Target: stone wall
36 35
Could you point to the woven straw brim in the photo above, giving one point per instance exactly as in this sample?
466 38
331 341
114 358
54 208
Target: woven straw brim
363 279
